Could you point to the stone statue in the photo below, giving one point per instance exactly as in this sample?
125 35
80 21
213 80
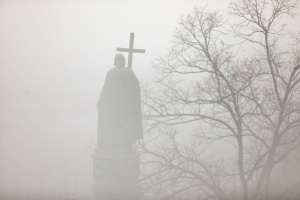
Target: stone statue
119 108
116 164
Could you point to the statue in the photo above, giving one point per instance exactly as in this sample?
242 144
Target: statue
116 164
119 108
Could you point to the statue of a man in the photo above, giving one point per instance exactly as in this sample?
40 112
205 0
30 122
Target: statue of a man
119 108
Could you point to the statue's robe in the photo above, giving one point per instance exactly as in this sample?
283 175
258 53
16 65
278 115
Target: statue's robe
119 110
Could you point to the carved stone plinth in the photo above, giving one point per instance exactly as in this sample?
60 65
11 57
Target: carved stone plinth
116 174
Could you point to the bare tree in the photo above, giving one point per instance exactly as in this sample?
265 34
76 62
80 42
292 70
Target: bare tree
210 88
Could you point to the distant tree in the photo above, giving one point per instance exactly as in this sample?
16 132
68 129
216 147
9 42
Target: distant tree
212 93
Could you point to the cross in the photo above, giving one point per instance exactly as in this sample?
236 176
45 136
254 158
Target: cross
131 50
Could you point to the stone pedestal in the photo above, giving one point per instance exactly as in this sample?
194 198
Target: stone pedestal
116 174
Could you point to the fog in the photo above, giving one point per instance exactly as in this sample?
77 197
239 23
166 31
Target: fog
54 56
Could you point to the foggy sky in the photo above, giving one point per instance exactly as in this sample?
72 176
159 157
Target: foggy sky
54 56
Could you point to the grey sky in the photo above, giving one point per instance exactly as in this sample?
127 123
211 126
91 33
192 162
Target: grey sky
54 56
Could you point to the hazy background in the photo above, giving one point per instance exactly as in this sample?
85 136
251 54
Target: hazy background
54 56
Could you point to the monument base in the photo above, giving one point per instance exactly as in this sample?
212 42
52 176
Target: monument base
116 174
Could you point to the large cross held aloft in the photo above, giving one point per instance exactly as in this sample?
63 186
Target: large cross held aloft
131 50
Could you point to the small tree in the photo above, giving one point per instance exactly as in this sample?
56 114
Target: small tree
250 101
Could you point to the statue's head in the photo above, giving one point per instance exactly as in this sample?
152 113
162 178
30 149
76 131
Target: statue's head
119 60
